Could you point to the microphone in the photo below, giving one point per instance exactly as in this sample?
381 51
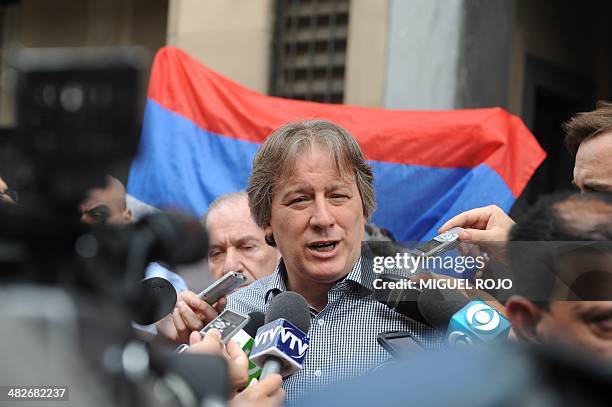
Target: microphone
281 344
466 322
245 340
156 299
400 300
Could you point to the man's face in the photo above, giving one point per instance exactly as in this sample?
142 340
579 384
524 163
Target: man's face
105 206
583 274
586 325
593 168
317 221
236 243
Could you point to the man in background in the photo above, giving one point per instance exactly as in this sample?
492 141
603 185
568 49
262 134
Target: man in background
561 258
235 242
106 206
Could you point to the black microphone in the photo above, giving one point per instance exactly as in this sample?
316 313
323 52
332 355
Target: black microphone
256 320
156 298
400 300
281 344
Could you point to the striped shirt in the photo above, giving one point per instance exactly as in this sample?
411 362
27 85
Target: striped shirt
343 334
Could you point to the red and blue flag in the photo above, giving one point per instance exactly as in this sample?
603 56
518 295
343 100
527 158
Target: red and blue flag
201 131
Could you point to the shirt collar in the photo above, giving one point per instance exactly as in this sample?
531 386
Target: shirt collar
363 272
277 282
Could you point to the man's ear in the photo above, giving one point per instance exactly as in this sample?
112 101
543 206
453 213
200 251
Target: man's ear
127 216
525 317
269 236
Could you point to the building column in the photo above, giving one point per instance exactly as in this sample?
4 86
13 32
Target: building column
448 54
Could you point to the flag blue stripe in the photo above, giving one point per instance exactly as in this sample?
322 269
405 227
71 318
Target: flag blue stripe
182 166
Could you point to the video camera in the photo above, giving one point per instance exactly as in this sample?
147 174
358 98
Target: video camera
76 288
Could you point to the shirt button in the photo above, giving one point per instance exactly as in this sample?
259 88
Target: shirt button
318 373
321 322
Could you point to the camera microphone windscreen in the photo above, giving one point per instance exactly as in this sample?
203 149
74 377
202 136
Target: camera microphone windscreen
156 298
292 307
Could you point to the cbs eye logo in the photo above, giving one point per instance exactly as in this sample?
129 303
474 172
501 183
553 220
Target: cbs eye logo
457 338
482 318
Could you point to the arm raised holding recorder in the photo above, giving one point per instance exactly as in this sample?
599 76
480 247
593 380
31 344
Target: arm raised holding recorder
193 311
487 227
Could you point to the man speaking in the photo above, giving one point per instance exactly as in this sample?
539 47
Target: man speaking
312 191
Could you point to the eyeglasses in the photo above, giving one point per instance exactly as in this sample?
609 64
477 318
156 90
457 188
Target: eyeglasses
9 194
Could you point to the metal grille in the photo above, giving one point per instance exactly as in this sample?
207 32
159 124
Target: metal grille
309 49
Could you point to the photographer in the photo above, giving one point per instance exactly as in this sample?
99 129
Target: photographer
69 292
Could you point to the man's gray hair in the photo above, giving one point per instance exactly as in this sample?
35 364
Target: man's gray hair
276 158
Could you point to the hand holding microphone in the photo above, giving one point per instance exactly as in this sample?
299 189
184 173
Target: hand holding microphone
268 392
237 360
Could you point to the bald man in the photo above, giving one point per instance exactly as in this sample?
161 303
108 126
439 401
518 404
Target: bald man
235 242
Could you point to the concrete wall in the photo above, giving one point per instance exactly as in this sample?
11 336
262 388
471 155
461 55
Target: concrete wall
448 54
423 54
366 59
484 54
232 37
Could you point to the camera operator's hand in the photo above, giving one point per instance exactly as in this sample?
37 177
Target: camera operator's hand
190 314
237 360
487 227
266 393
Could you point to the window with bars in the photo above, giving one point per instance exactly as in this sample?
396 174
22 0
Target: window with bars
309 49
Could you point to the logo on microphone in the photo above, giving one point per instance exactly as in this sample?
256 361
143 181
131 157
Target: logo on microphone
482 318
457 338
283 335
475 323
